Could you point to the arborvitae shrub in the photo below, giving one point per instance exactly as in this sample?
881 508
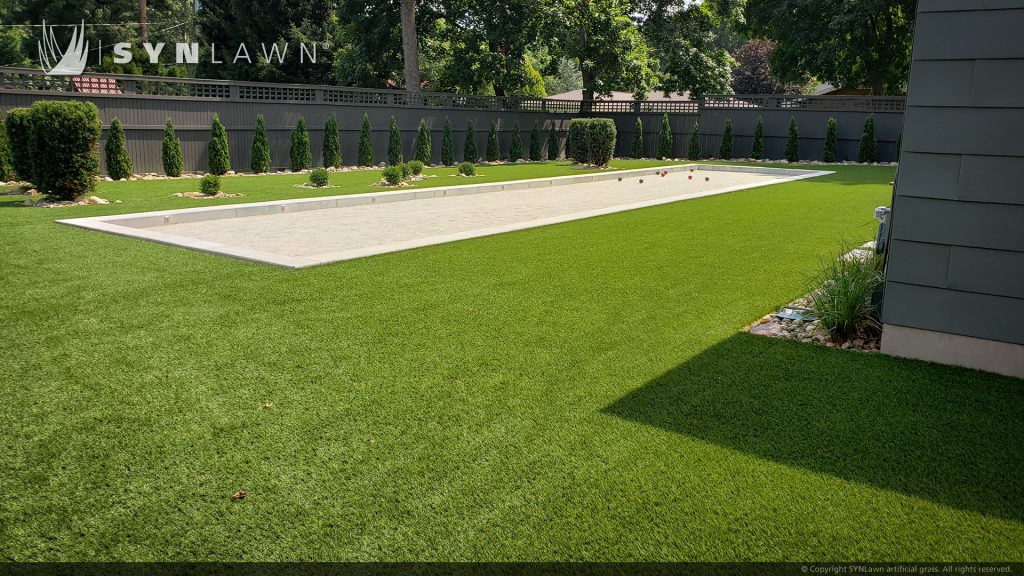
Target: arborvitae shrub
170 151
209 184
665 138
552 143
467 169
416 167
19 136
592 140
332 143
365 144
793 143
830 151
64 144
469 153
260 161
493 148
868 145
725 150
515 149
395 156
575 142
447 144
6 170
219 157
424 147
392 175
757 151
319 177
638 139
535 149
301 154
119 163
693 151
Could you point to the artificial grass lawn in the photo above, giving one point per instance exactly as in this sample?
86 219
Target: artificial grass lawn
572 392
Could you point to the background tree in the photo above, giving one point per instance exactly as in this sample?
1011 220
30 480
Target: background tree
852 43
395 156
725 150
493 147
424 147
301 153
753 75
365 143
447 144
830 151
793 142
469 153
170 151
119 163
665 138
218 155
638 139
757 150
332 143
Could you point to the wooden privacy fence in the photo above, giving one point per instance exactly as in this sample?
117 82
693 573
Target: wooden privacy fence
143 102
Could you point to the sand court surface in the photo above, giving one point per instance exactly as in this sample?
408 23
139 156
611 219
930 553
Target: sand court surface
308 232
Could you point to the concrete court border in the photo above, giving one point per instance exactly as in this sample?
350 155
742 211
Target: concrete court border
136 225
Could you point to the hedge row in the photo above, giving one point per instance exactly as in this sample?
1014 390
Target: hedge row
591 140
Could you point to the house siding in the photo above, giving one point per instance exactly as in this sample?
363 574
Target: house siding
956 256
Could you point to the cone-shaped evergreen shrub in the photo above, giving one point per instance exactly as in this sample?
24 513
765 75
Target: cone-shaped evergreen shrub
493 148
552 143
515 149
447 144
535 149
365 144
830 151
757 151
119 163
395 156
725 150
638 139
19 137
260 157
6 169
301 154
693 151
219 157
332 143
170 151
793 143
868 145
665 138
424 147
469 153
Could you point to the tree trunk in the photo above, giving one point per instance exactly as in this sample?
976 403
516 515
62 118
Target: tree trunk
588 89
410 50
143 21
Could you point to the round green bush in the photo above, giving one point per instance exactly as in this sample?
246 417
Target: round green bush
319 177
209 184
416 167
467 169
392 175
406 170
65 139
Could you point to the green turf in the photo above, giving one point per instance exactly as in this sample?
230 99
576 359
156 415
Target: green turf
572 392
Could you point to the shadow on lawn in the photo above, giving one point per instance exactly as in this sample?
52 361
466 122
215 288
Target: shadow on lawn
944 434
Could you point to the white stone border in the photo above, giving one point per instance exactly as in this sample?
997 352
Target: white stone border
135 225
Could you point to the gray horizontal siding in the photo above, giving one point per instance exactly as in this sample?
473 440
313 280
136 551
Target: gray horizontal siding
956 259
